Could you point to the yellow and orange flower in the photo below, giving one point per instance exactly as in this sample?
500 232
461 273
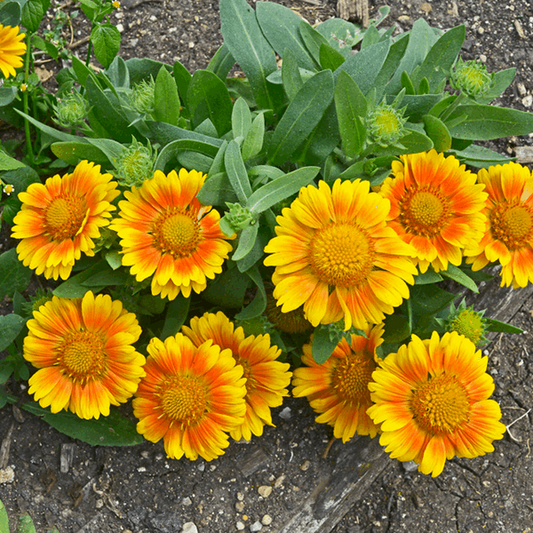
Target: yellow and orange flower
335 255
59 220
83 349
191 396
266 378
12 47
167 233
509 234
436 206
338 388
431 399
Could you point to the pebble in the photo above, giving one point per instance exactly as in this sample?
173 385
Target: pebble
305 466
240 496
410 466
279 481
483 58
266 520
265 491
521 89
187 501
120 27
240 526
256 526
527 101
189 527
7 475
239 507
285 413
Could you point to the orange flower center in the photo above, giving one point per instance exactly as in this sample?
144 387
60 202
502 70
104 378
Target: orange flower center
440 405
65 217
342 255
512 225
351 376
82 356
424 212
176 233
184 399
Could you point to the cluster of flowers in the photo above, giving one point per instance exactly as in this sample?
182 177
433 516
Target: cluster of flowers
340 253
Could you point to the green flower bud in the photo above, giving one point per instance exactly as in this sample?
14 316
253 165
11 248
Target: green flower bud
40 298
385 124
239 217
71 110
471 78
142 97
135 165
465 321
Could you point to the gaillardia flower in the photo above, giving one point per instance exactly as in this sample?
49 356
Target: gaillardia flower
435 206
83 350
60 219
12 47
191 396
335 254
338 388
431 399
167 233
266 378
509 233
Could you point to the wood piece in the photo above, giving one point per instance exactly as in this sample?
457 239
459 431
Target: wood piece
524 154
67 456
353 10
358 464
4 448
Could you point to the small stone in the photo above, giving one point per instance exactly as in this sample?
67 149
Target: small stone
239 507
521 89
201 467
153 18
483 58
285 413
410 466
141 469
99 504
527 101
265 491
7 475
187 501
305 466
240 496
266 520
279 481
240 526
403 18
481 30
191 45
189 527
256 526
145 454
120 27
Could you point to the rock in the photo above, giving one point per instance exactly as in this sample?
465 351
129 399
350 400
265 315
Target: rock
527 100
187 501
410 466
189 527
239 507
256 526
7 475
240 526
265 491
266 520
305 466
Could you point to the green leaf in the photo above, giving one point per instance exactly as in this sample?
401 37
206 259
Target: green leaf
501 327
14 276
440 58
301 117
500 82
256 253
25 524
166 133
228 289
41 44
171 151
365 65
280 25
183 79
350 104
237 174
4 522
247 44
330 58
413 142
281 189
9 163
7 95
312 39
456 274
438 133
106 42
217 190
167 101
428 277
195 161
241 118
33 12
221 63
73 287
246 242
486 122
407 84
10 13
390 65
143 69
480 156
110 148
371 37
106 278
10 327
177 313
74 152
118 73
55 134
112 430
114 259
253 142
290 75
322 346
208 97
396 329
258 305
419 105
81 70
429 299
340 34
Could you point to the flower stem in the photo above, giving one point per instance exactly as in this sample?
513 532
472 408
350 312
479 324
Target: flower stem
453 106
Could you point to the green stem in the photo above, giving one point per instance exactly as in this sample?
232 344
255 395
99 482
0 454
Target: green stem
25 96
447 112
89 47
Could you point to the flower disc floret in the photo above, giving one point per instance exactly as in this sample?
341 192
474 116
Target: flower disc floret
508 237
335 255
191 397
432 401
167 234
84 351
59 220
338 388
12 48
266 379
436 206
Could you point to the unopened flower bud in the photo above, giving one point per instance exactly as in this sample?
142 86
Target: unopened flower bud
135 165
385 124
71 110
239 217
142 97
471 78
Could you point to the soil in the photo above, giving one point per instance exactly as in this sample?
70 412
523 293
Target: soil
258 486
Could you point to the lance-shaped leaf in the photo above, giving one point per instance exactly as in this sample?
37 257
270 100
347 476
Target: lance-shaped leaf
241 118
280 25
74 152
322 346
247 44
438 133
351 105
173 149
222 62
280 189
236 171
246 242
258 305
217 190
290 75
459 276
312 40
167 101
253 143
301 117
